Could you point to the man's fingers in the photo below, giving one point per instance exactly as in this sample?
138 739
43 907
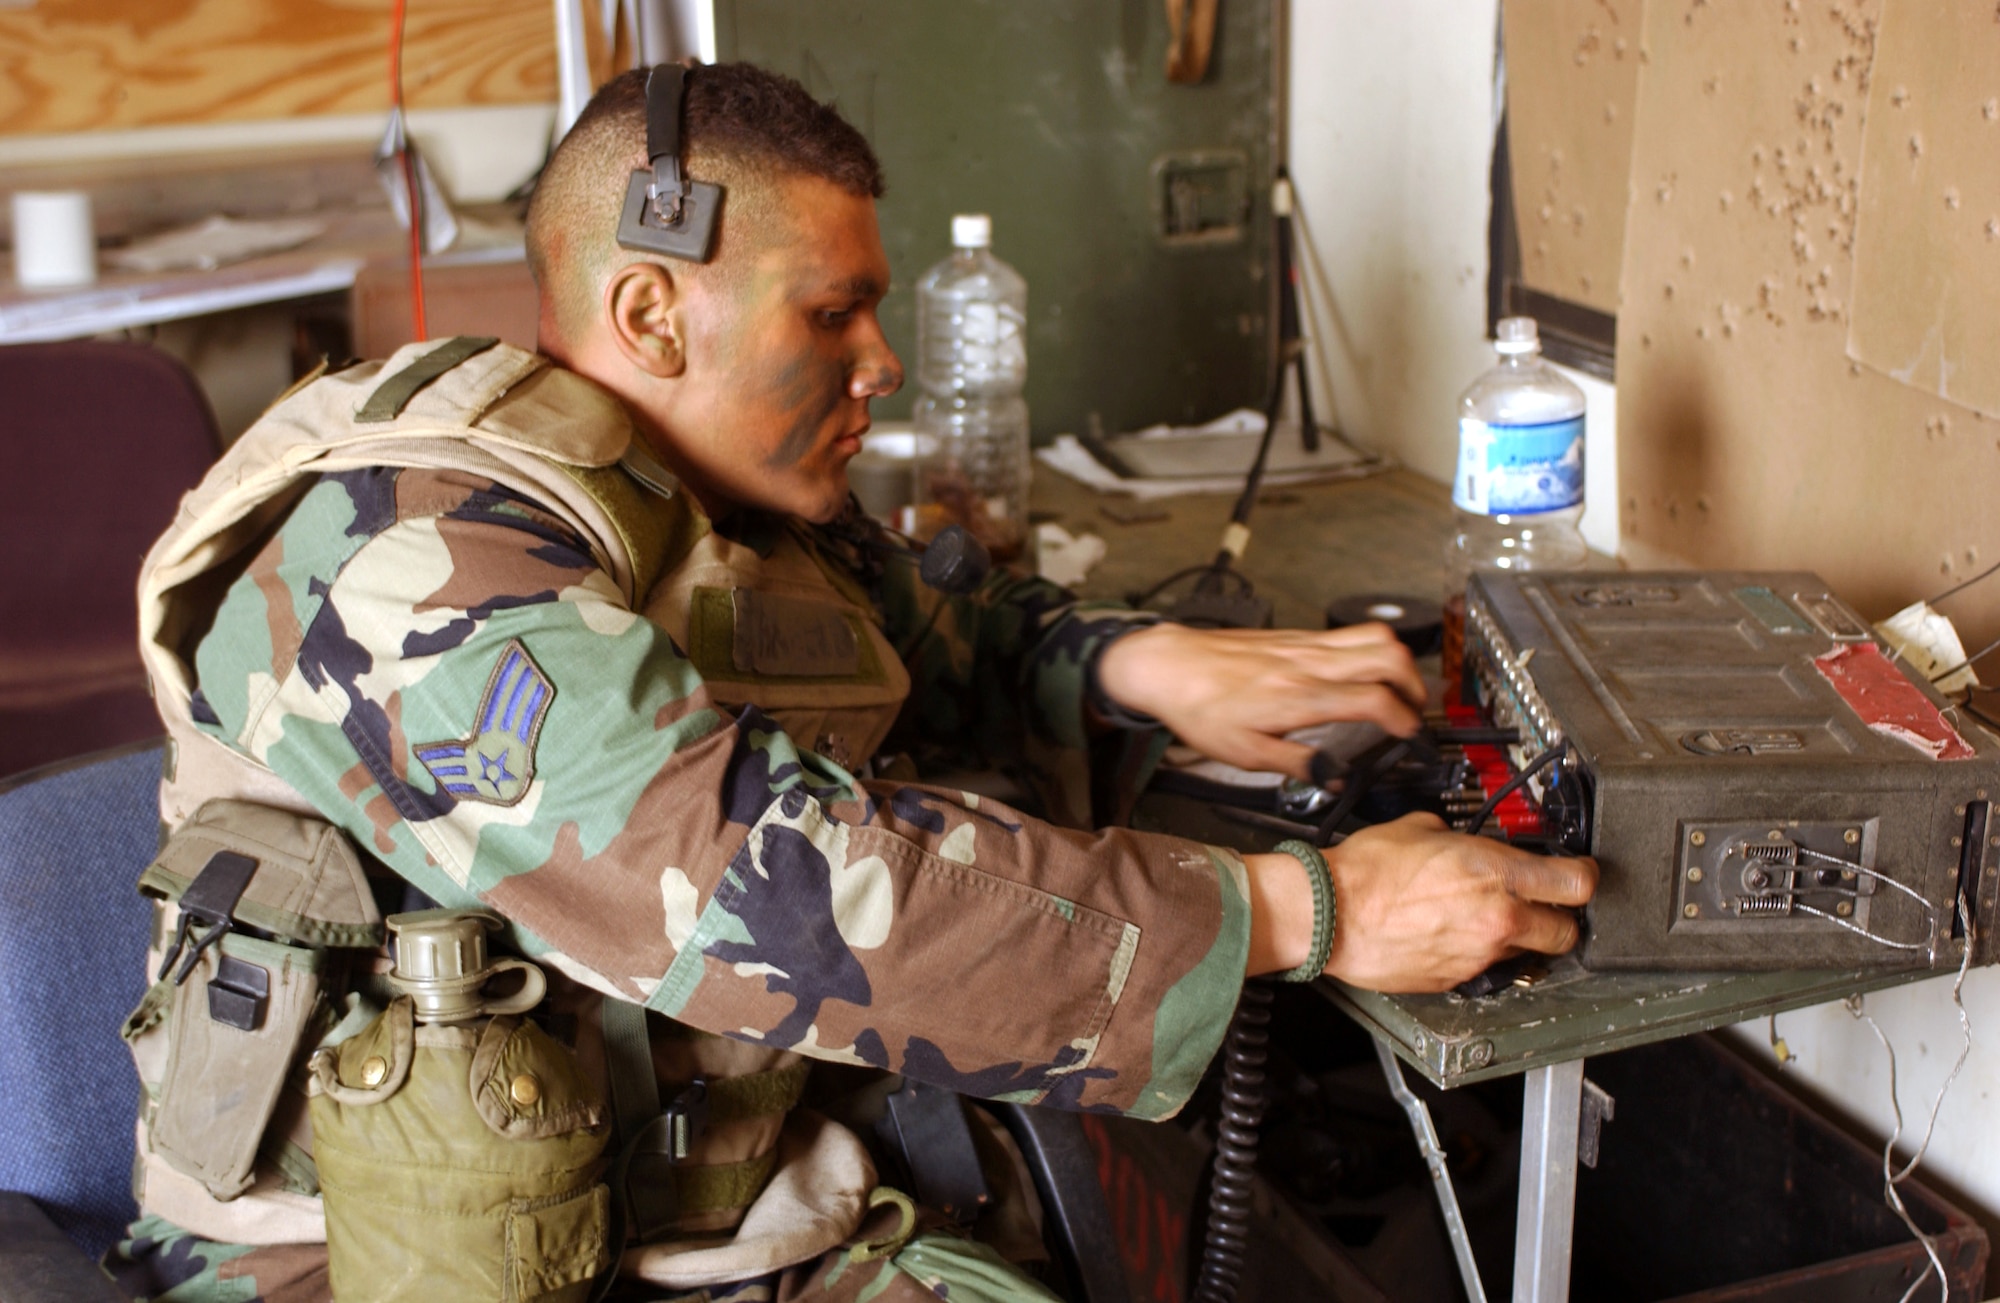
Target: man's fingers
1211 686
1397 675
1544 930
1422 908
1421 821
1357 635
1308 702
1380 662
1262 753
1372 703
1365 652
1551 881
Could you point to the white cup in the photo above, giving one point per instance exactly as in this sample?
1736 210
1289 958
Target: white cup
54 243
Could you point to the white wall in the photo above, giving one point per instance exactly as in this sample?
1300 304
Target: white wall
1392 117
1391 128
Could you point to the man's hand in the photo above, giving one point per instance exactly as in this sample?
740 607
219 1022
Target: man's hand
1418 908
1233 693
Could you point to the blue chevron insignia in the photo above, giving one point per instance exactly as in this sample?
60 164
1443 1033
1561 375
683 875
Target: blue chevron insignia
496 764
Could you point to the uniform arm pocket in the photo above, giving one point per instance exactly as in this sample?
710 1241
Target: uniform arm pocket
859 945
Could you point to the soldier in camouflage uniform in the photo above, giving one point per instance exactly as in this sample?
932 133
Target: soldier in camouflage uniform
596 639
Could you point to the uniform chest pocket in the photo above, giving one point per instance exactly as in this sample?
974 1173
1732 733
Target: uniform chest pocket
743 635
815 665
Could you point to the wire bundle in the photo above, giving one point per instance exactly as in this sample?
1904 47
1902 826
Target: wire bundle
409 167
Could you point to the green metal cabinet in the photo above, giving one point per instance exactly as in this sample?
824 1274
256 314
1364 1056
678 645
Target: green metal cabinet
1137 209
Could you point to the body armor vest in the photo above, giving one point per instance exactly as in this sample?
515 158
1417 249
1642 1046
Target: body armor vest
512 417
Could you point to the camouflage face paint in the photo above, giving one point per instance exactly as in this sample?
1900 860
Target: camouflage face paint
808 390
769 409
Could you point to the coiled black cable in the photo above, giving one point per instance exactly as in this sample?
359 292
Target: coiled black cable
1226 1241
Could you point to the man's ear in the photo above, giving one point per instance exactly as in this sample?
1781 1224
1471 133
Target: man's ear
643 307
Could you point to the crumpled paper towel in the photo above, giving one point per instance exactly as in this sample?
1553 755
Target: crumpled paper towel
1062 558
1929 642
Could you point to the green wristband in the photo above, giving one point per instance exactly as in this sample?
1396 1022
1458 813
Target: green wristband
1314 864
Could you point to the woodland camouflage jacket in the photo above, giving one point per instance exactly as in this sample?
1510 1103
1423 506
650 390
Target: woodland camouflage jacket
444 661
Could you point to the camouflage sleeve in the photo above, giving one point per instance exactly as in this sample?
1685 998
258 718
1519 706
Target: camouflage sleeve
1000 676
442 668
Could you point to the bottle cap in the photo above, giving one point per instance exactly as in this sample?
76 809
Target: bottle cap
972 231
1516 335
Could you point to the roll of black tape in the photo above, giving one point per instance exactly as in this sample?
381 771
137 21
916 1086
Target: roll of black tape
1418 621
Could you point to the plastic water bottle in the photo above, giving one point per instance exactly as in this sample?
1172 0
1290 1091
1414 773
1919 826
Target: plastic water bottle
1519 486
972 363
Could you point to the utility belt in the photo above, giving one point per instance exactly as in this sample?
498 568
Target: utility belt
457 1149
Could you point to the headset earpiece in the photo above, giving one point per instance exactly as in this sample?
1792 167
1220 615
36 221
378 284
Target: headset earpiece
666 211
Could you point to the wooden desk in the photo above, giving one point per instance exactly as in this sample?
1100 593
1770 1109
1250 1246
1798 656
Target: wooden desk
355 241
1310 544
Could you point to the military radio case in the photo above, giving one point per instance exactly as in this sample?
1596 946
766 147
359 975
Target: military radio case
1715 761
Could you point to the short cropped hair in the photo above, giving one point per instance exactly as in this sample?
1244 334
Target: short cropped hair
740 124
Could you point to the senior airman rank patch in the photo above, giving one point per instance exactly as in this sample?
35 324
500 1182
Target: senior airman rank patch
497 762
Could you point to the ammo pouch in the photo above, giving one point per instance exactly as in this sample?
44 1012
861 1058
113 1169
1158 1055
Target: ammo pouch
459 1161
264 900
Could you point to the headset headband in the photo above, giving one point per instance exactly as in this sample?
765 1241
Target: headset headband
666 89
666 211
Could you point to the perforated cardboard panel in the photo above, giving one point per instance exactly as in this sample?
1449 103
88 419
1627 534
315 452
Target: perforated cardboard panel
1927 251
1572 76
1747 436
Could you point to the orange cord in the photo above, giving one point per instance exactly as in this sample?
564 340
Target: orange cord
409 175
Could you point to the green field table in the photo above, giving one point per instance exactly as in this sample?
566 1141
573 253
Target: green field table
1386 533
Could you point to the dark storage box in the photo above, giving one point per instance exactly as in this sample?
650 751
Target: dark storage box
1714 1181
1717 1184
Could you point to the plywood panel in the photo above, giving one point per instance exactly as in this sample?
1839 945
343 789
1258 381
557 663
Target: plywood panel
1927 255
81 65
480 299
1746 434
1572 75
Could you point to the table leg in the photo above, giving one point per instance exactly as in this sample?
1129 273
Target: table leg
1434 1158
1546 1215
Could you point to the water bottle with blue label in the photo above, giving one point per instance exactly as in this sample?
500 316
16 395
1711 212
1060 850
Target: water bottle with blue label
1519 485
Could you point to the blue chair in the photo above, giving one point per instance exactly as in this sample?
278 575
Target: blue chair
73 839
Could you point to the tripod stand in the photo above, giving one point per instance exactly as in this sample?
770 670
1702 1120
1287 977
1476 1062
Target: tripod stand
1223 596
